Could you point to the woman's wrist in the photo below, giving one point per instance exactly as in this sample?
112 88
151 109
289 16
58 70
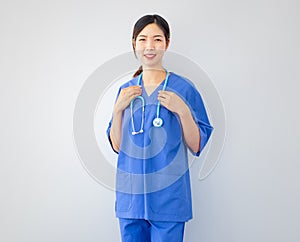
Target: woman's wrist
117 111
184 112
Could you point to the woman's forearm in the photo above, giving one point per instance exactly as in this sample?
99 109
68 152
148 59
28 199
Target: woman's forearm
116 130
191 131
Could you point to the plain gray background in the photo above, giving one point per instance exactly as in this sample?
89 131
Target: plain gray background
251 51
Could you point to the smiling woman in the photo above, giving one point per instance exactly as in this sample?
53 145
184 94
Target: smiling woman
151 35
149 46
158 115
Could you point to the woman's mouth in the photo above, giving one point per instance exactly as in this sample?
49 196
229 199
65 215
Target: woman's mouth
149 56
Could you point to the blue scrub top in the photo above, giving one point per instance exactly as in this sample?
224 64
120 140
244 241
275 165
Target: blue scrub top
152 180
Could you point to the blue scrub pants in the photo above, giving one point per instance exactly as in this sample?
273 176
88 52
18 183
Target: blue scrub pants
140 230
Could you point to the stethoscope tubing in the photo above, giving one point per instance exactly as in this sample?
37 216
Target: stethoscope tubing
157 122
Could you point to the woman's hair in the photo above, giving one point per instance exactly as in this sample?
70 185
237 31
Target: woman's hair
142 23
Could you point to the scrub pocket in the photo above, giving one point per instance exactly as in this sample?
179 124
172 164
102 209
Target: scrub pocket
123 191
170 200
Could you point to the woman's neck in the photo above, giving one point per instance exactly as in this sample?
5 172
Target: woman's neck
153 76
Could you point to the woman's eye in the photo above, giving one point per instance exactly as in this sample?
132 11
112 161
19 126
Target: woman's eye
158 40
141 39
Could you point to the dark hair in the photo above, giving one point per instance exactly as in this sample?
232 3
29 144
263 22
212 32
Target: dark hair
142 23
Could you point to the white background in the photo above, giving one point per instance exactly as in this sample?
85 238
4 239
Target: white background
250 49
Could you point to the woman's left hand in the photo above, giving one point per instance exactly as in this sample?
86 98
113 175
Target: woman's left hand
173 102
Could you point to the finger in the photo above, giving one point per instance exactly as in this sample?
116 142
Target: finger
164 103
135 87
131 88
132 91
163 96
135 93
165 92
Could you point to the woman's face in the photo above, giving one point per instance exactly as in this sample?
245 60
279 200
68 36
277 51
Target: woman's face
150 46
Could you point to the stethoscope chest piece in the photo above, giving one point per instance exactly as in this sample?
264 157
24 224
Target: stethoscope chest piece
157 122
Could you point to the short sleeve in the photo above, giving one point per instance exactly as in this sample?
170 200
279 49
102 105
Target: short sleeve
200 116
109 126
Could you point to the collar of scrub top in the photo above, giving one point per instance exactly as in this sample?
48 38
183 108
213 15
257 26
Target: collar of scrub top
157 121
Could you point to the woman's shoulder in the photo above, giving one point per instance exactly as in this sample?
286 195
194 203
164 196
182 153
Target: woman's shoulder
185 88
180 82
131 82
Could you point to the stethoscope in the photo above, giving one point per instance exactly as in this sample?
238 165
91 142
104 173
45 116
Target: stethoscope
157 121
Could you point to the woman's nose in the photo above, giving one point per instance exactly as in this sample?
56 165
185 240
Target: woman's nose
150 45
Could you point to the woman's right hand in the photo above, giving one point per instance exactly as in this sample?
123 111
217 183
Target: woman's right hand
123 100
125 97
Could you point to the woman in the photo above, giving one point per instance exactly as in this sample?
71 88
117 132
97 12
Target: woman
157 117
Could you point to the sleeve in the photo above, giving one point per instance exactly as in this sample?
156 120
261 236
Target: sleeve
109 126
108 136
199 113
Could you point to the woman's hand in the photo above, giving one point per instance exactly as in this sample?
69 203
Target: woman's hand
191 132
125 97
173 102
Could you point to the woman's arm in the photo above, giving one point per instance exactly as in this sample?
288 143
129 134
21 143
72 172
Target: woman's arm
124 99
191 131
175 104
115 133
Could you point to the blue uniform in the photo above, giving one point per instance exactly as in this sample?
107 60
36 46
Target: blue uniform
153 181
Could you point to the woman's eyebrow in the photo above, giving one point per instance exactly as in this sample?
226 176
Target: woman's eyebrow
155 36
